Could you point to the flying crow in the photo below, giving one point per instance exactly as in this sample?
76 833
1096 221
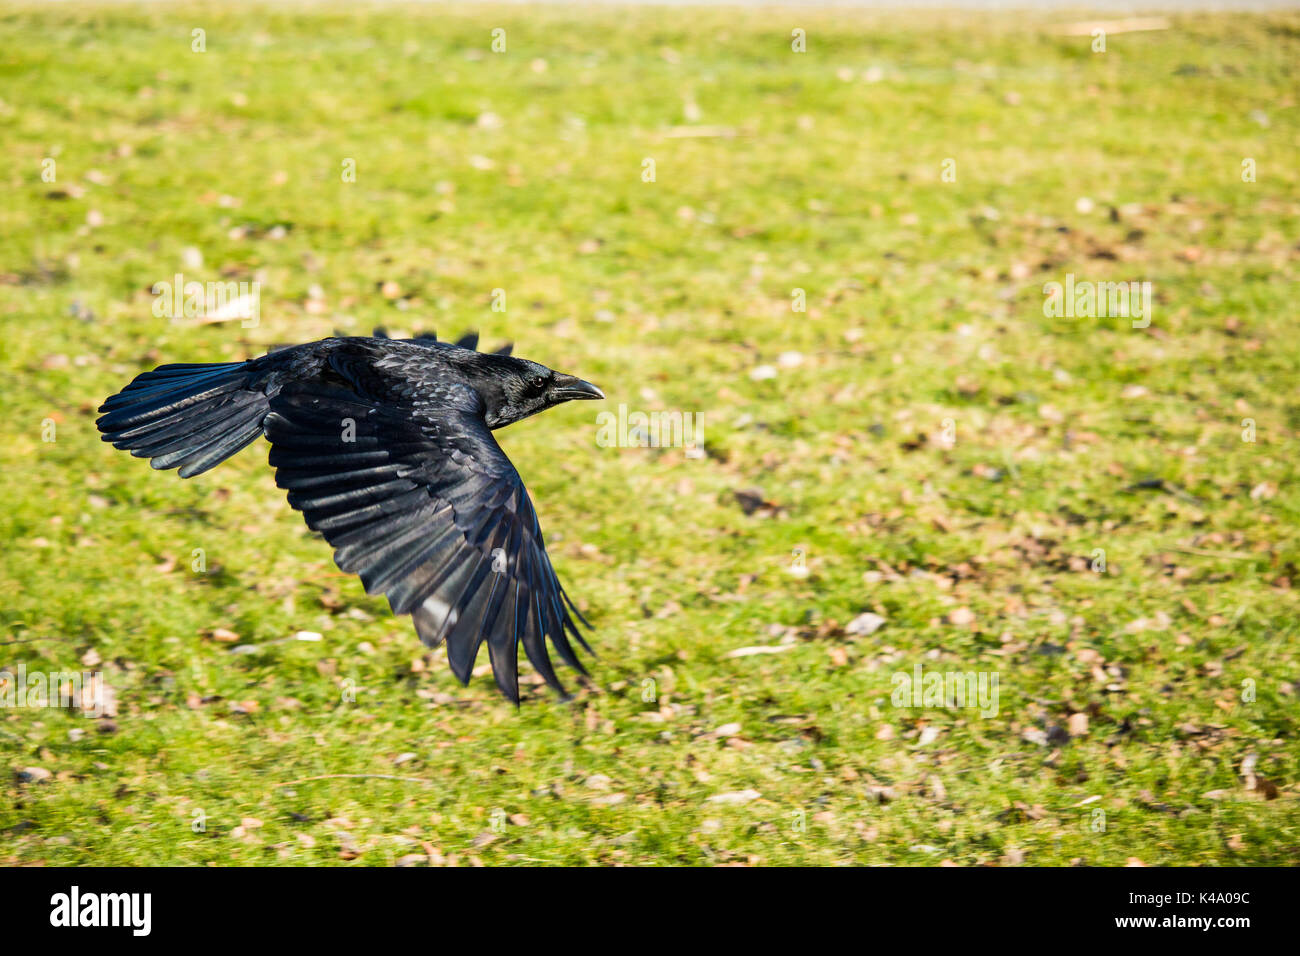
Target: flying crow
385 446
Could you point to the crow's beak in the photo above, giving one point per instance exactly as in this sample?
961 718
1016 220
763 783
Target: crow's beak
570 387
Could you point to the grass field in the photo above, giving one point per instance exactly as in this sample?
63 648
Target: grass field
1101 516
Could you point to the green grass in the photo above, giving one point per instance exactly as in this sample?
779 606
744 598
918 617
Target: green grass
924 304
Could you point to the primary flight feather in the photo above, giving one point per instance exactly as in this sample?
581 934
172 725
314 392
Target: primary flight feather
386 447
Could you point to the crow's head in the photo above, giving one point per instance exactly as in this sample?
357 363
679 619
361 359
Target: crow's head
514 388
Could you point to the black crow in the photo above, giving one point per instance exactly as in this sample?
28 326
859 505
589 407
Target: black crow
385 446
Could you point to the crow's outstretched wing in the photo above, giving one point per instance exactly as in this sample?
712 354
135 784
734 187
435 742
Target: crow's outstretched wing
423 505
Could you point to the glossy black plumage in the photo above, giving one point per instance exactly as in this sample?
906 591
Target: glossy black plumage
386 448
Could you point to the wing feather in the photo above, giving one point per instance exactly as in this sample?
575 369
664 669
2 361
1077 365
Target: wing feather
421 503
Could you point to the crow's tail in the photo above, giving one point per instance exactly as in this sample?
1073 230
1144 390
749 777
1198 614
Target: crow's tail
188 416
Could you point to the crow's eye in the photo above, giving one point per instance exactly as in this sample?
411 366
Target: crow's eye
538 382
